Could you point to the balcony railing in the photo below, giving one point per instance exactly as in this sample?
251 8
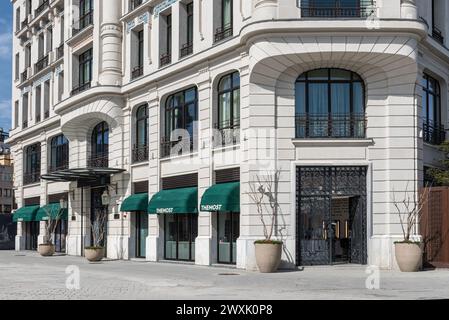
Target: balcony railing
80 88
38 118
165 59
434 133
175 148
331 126
60 51
25 124
41 64
46 114
140 153
186 49
32 177
24 76
98 160
84 21
137 72
61 165
227 133
24 24
437 35
133 4
363 10
41 8
223 33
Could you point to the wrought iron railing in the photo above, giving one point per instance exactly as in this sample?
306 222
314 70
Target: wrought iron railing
364 9
98 159
186 49
46 114
223 33
136 72
38 118
24 76
25 124
434 133
61 165
84 21
80 88
60 51
32 177
165 59
227 133
175 148
41 8
437 35
133 4
23 24
330 126
41 64
140 153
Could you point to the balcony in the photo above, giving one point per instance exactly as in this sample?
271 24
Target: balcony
186 49
175 148
434 133
227 133
437 35
223 33
60 52
33 177
80 88
140 154
136 72
23 24
41 8
24 76
41 64
364 9
133 4
352 126
98 160
84 21
165 59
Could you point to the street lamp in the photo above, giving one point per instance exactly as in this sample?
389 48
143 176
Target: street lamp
105 198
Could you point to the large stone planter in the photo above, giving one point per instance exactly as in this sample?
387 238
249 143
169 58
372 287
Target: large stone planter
268 256
408 256
94 254
46 250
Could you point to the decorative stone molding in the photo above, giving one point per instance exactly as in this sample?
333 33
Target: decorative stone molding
162 6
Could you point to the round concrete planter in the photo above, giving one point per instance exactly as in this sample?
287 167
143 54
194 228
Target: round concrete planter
94 254
408 256
268 256
46 250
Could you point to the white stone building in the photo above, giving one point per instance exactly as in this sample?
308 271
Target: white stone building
348 99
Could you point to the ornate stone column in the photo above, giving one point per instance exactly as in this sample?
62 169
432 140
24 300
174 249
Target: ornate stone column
409 9
265 9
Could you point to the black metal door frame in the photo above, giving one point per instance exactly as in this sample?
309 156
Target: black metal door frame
95 198
316 186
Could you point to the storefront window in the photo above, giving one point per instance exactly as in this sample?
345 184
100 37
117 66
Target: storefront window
228 232
180 233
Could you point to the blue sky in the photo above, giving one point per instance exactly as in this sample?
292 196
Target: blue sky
5 63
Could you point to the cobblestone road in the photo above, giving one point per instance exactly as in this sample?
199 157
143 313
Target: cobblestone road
29 276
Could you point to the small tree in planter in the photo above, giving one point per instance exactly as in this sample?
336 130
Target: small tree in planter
409 252
98 227
264 194
52 217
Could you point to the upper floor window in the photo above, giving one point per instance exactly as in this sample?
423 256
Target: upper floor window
438 20
224 29
140 150
86 17
431 111
133 4
181 113
59 153
330 103
336 8
228 115
25 103
166 48
29 6
137 69
84 71
32 164
186 38
99 157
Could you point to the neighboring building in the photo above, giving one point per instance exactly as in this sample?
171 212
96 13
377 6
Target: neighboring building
128 102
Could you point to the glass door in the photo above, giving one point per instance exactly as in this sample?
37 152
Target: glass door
228 232
181 231
59 236
31 235
97 208
141 233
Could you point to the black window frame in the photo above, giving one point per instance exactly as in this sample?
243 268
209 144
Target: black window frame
193 221
59 153
233 215
234 122
99 155
32 164
434 132
141 145
187 48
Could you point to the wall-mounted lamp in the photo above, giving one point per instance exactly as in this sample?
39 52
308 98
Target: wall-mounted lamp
105 198
72 194
63 203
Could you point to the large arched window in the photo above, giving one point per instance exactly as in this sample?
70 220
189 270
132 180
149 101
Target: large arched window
330 103
59 153
228 116
32 164
140 152
431 111
100 146
181 112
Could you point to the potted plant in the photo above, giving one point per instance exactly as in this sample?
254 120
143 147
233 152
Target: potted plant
95 252
264 194
52 217
409 251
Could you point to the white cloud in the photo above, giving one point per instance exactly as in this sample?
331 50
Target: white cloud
5 114
5 45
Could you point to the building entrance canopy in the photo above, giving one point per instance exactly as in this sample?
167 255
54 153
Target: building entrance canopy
84 176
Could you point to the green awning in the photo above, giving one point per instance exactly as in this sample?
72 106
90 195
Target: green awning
54 210
135 202
27 213
223 197
182 200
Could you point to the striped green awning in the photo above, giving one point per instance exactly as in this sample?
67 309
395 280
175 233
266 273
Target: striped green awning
135 202
54 210
222 197
182 200
26 214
